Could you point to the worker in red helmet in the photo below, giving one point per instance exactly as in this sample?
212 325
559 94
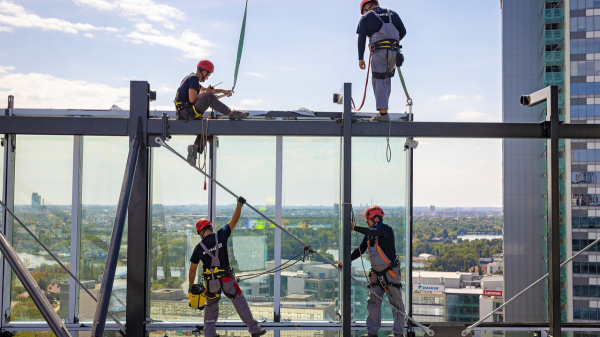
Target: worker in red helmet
218 275
384 275
385 29
192 100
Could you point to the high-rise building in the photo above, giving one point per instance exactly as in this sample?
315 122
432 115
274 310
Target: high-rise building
551 43
36 200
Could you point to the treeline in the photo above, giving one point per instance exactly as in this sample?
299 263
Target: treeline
428 228
459 256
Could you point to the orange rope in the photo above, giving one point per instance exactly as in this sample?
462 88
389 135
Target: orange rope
366 84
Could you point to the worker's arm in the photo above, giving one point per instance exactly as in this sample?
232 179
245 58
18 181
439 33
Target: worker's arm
237 213
399 25
192 279
369 231
360 250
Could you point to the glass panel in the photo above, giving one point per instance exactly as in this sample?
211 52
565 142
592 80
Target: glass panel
377 182
1 180
178 201
311 194
104 160
43 182
246 166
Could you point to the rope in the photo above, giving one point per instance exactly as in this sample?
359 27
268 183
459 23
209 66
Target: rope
121 327
240 47
366 85
388 149
276 269
466 331
160 142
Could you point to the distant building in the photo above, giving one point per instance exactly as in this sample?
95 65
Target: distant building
36 200
432 208
436 239
426 256
494 267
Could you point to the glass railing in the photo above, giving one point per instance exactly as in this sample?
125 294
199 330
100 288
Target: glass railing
554 58
555 78
555 36
553 15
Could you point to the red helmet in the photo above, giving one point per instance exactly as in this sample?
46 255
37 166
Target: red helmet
202 224
207 65
364 2
374 211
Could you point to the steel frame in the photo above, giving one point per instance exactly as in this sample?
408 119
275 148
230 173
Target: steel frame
332 124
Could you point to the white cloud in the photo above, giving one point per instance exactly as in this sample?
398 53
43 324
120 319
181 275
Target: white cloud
191 43
478 97
136 9
472 115
246 102
255 74
6 29
449 97
14 15
90 35
58 93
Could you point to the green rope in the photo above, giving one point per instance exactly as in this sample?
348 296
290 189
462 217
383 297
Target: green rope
404 85
240 48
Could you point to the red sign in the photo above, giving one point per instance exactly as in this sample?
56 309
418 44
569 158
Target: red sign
492 293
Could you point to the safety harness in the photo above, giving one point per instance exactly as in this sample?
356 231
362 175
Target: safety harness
215 276
378 258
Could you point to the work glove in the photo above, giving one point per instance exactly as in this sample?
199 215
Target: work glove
241 200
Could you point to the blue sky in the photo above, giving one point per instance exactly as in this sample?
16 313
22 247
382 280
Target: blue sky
83 53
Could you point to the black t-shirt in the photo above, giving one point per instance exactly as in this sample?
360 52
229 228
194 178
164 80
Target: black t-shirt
370 24
209 241
385 236
191 81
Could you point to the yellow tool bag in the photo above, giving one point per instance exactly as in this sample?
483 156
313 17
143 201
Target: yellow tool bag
197 296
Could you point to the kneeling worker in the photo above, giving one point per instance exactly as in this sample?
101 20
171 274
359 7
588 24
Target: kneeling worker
192 100
219 277
385 270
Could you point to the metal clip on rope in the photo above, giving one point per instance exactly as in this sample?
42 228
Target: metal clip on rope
428 331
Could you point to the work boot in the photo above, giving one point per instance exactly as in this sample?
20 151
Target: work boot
368 335
235 114
395 335
192 156
381 118
261 332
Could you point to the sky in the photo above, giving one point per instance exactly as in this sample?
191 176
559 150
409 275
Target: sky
81 54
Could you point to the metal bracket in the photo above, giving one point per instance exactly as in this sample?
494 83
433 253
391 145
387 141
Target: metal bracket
164 136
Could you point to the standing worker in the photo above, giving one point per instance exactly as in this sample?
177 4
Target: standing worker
217 272
385 30
385 270
192 100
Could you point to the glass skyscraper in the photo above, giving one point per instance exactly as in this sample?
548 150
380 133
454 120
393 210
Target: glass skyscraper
551 43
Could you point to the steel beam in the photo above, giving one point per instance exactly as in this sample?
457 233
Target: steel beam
88 126
138 236
409 236
553 216
277 239
112 258
346 282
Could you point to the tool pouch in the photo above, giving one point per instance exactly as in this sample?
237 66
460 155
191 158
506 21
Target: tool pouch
197 297
399 59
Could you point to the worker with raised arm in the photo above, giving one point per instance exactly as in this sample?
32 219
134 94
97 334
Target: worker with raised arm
192 100
217 272
384 275
384 29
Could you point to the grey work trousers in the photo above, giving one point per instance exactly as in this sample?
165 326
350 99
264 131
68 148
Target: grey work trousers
374 307
205 101
211 311
382 61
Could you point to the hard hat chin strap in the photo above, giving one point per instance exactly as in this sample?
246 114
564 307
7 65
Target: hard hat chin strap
203 74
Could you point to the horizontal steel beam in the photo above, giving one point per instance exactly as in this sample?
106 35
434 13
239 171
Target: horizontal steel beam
87 126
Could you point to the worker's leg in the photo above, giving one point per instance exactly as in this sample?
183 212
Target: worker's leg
395 297
209 100
374 311
383 61
211 314
231 288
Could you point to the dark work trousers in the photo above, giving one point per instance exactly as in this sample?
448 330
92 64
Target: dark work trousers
205 101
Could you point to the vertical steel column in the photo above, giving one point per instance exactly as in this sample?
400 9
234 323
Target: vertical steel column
346 282
8 196
409 235
138 235
553 217
76 209
212 171
278 211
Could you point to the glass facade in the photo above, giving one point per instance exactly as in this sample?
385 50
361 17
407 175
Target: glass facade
462 307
